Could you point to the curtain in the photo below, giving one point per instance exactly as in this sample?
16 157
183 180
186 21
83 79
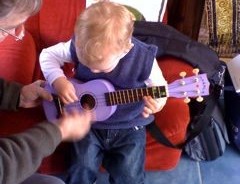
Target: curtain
221 27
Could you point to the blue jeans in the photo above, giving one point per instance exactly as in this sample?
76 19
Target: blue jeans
120 151
42 179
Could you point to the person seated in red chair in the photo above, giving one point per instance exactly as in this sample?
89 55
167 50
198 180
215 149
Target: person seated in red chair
21 154
103 48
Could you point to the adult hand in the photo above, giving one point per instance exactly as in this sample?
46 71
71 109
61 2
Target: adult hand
31 95
74 125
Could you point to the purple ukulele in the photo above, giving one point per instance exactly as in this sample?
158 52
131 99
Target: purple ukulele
100 97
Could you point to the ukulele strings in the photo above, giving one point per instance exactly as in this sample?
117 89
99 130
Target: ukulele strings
100 100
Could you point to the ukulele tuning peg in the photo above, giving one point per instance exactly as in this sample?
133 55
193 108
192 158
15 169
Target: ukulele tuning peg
196 71
182 74
199 99
186 100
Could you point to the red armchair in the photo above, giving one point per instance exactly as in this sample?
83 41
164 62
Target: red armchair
19 62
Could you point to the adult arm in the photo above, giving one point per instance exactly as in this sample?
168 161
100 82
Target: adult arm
14 95
21 154
9 95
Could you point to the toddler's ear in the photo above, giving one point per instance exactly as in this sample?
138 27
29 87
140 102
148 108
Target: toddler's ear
129 47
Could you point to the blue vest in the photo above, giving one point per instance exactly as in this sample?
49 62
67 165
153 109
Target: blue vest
131 72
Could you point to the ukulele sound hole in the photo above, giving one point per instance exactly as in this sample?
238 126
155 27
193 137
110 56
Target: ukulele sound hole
87 102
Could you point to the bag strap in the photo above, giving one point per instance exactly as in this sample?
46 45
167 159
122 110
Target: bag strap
156 132
203 119
201 123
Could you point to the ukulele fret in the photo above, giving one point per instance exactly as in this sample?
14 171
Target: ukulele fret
141 90
153 92
115 97
110 100
158 89
118 96
158 92
128 96
146 92
124 96
141 94
134 95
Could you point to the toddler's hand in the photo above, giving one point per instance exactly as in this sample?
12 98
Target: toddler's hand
152 105
65 90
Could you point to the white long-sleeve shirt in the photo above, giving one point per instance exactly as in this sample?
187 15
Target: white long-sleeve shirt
54 57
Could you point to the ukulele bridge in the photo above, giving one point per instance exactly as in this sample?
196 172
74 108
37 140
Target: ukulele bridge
58 104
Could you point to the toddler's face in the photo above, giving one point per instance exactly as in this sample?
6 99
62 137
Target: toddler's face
108 65
12 25
111 61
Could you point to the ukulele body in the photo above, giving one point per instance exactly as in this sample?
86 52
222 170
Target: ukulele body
91 97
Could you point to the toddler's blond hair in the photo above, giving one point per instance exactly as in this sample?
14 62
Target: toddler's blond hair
104 27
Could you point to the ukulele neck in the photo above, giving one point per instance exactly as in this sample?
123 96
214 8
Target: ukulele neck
134 95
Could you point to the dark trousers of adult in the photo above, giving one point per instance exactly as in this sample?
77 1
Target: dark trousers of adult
120 151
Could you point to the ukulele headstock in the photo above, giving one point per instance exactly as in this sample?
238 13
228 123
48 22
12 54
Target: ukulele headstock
195 86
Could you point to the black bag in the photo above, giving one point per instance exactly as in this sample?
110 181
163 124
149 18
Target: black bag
206 135
232 109
210 137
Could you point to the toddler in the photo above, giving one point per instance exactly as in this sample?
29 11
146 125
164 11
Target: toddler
103 48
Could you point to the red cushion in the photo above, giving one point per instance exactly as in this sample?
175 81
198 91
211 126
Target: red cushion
53 24
15 122
172 120
18 61
57 20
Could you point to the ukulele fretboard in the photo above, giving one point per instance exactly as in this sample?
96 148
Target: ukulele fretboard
134 95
